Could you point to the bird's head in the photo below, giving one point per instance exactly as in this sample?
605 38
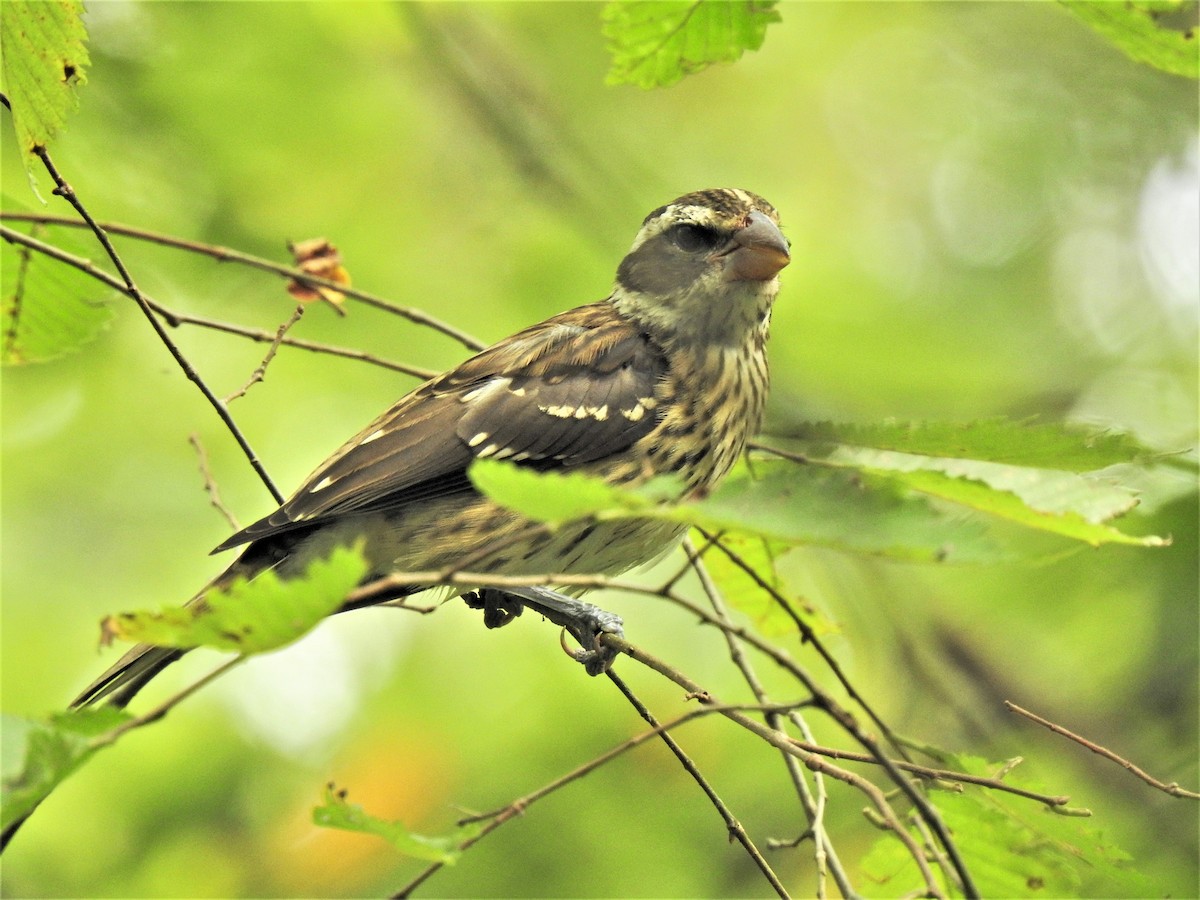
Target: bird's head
704 268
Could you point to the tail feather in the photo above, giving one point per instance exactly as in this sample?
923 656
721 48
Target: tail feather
128 675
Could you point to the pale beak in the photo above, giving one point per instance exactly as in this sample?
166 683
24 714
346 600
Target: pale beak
756 252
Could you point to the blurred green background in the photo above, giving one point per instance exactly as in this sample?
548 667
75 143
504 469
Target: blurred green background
993 212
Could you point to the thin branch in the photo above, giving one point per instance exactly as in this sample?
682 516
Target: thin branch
1173 788
807 636
175 319
847 721
158 712
65 191
264 337
109 737
24 256
824 855
931 846
995 782
210 483
497 817
260 373
732 825
225 254
777 739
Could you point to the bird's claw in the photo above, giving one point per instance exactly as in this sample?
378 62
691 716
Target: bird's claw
586 622
498 607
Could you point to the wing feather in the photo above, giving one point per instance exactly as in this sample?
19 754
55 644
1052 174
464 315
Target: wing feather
569 391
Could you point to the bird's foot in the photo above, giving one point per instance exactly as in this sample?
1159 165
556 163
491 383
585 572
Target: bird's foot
585 621
498 607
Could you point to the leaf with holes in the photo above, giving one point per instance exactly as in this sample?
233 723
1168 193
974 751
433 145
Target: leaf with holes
45 62
1159 34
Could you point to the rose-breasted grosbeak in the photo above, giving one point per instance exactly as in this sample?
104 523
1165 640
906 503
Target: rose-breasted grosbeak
667 375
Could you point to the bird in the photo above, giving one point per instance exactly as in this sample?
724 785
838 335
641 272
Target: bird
666 376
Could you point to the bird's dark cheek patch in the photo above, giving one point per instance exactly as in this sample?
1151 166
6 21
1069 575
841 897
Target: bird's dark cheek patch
657 269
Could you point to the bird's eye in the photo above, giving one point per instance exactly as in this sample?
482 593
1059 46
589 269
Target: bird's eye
695 238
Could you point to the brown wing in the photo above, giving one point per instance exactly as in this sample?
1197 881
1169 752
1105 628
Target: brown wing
570 390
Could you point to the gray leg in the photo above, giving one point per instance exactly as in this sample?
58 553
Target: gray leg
585 621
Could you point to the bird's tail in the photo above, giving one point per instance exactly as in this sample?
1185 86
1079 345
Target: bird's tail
128 675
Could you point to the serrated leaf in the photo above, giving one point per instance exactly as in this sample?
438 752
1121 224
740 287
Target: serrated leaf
655 44
1162 35
45 61
250 616
37 756
563 496
839 509
338 812
50 309
1059 502
1007 505
780 501
1096 499
1044 445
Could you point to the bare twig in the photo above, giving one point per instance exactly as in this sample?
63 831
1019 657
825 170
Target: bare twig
10 334
210 483
108 737
267 337
734 827
781 741
259 373
1172 788
824 855
807 636
65 191
995 782
225 254
175 319
497 817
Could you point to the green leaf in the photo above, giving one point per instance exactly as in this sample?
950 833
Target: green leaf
780 501
1013 848
655 44
1162 35
250 616
337 812
1008 505
1043 445
1022 472
840 509
743 592
44 63
563 496
50 309
37 756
